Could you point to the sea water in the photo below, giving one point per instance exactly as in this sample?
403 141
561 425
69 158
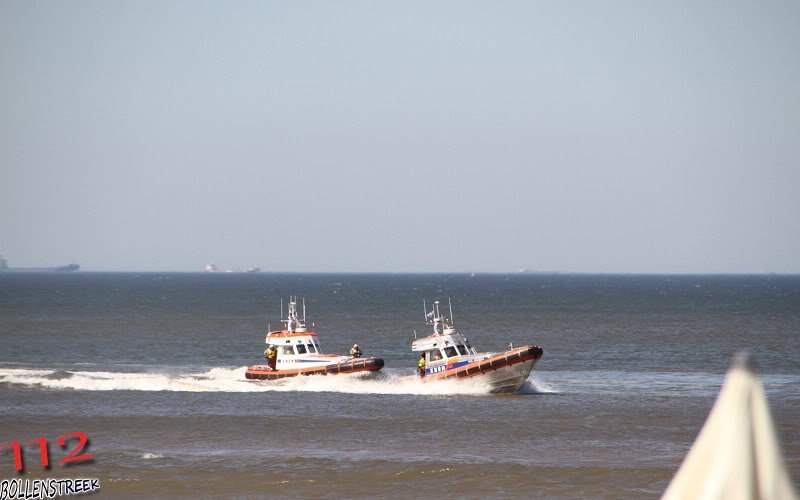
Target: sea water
151 368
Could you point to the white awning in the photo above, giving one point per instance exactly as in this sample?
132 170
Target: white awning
737 454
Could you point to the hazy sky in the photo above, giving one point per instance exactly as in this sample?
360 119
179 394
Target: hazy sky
406 136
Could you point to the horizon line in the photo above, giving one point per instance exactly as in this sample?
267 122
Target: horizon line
502 273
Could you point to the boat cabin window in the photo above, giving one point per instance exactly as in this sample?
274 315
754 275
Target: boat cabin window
301 349
434 355
310 347
451 352
462 350
317 346
287 349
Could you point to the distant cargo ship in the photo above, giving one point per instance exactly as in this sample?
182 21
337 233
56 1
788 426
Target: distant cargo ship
525 270
213 268
5 269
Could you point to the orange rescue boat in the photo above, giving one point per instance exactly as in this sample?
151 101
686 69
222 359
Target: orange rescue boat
295 351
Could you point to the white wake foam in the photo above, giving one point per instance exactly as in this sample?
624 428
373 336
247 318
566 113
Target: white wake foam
233 380
534 386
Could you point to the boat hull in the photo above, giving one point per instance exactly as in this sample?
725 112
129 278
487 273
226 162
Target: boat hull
510 378
503 372
359 365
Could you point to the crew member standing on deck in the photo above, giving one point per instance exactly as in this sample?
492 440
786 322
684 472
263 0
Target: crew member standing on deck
272 356
421 365
356 351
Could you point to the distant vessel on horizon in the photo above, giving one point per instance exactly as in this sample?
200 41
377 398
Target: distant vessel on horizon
535 271
212 268
5 269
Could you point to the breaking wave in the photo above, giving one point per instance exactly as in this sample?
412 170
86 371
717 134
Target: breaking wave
389 381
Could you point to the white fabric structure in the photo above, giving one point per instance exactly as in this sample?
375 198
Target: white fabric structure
737 454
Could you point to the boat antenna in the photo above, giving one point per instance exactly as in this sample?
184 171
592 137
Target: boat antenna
452 321
424 311
415 334
304 309
281 316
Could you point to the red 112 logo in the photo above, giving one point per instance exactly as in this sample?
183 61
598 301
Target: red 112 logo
73 456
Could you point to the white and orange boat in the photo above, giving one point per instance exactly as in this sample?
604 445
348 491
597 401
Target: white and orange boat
299 353
449 355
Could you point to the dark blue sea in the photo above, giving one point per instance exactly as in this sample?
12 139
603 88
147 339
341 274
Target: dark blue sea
151 367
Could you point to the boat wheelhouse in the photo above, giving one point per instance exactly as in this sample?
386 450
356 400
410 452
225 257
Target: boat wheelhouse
298 352
449 355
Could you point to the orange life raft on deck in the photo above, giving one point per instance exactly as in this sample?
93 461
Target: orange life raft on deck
264 372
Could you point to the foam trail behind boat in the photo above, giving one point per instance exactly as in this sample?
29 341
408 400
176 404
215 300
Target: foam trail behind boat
223 379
